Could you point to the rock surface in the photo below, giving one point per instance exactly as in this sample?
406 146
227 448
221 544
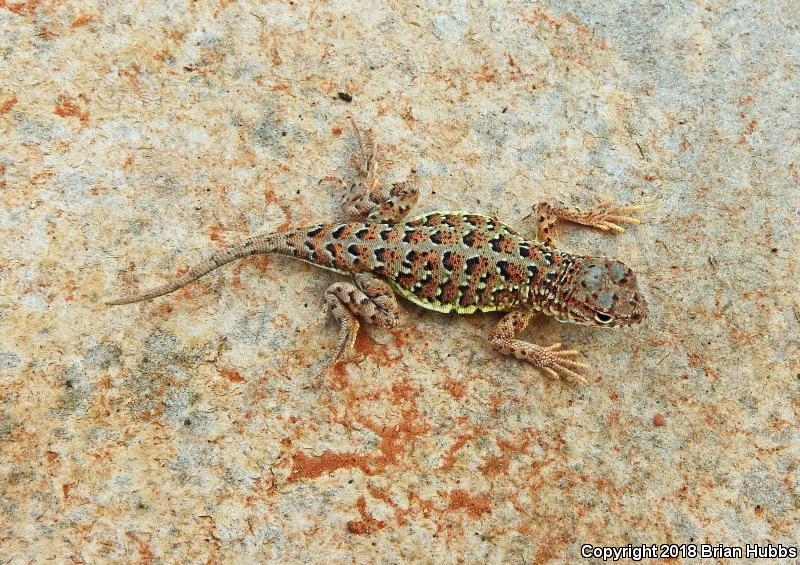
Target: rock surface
138 136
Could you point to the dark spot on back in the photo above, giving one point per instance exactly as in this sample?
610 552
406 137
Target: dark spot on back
452 261
476 264
413 237
406 280
447 260
503 266
433 220
449 292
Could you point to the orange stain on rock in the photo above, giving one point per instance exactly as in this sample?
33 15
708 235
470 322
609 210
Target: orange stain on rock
339 378
395 439
456 389
452 453
498 464
66 108
232 375
20 8
6 105
402 391
383 496
550 547
485 75
474 505
366 347
82 20
52 457
218 233
70 287
65 488
394 442
367 524
309 467
145 553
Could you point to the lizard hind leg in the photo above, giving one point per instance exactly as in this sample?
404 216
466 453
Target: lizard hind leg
553 361
365 197
369 298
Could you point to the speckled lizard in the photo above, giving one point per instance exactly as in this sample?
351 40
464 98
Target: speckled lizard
450 262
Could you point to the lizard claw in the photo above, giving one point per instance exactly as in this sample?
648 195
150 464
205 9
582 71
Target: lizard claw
606 217
556 364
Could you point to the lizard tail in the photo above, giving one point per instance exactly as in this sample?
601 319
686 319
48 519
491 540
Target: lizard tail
266 243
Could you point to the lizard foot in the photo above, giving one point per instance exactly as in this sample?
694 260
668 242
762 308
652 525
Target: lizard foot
555 363
551 360
369 298
605 217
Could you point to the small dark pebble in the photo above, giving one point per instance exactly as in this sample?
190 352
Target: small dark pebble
344 96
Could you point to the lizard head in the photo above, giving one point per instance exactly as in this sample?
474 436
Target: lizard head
605 293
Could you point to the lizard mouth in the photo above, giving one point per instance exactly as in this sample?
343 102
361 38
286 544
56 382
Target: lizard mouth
637 316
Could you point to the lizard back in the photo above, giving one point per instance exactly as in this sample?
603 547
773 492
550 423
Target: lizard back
443 261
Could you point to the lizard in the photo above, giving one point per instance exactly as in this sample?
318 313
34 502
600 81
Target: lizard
449 262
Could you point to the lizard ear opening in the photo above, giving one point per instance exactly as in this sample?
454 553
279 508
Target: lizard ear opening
603 318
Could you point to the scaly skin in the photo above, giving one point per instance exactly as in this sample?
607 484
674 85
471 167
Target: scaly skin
451 262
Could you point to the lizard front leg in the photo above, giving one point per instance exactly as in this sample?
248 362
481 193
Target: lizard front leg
604 217
369 298
366 199
552 360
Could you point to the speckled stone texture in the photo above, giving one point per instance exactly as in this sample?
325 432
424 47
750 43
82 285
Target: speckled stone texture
135 138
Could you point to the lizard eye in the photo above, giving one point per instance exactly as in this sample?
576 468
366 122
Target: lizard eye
603 318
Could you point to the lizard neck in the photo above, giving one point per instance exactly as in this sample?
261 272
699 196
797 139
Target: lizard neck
552 285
